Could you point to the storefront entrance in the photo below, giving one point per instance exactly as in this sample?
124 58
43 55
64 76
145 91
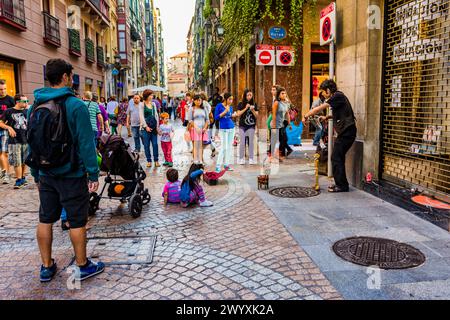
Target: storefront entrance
8 72
416 111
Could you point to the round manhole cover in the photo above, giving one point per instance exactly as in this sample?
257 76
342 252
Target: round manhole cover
384 253
294 192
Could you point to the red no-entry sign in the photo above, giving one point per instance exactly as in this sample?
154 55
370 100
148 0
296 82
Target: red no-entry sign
265 55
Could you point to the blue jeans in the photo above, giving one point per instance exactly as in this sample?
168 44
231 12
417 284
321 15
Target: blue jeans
137 138
317 137
152 138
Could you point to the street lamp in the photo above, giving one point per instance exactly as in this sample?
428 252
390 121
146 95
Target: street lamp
220 30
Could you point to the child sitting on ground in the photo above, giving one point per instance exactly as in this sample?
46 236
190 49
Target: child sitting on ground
172 189
191 191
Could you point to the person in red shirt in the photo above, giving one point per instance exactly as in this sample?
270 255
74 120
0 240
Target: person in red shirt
184 107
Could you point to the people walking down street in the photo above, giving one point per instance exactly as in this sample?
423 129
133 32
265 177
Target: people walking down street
111 108
167 132
185 105
133 121
14 120
224 114
269 120
67 172
94 114
345 126
149 123
248 115
280 113
122 113
210 113
198 117
165 104
191 190
172 189
318 134
6 102
105 118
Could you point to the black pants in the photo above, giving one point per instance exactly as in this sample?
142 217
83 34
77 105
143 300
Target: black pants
343 143
284 147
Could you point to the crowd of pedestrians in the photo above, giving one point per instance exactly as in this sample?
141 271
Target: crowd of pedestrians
58 135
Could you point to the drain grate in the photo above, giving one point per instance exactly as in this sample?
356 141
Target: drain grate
294 192
384 253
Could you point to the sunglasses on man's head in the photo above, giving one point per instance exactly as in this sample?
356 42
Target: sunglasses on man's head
23 101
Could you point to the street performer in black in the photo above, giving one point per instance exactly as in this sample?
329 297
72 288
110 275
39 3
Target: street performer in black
345 126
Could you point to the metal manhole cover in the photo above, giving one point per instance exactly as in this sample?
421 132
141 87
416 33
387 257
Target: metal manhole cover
384 253
294 192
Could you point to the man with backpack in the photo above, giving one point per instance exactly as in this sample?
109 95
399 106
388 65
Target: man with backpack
63 162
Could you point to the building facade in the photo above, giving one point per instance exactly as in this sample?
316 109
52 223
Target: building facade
105 40
178 75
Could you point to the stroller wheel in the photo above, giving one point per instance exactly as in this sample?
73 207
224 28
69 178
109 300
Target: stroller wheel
146 197
94 202
135 206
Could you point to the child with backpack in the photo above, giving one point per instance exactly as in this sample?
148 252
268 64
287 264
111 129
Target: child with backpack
191 190
172 189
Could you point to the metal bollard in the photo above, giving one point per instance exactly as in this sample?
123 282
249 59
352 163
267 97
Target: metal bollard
316 165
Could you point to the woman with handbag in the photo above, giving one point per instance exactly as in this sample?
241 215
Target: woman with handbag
149 119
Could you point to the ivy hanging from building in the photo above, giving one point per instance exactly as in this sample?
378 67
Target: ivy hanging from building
241 17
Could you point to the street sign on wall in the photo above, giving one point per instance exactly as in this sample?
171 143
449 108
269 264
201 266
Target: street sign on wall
277 33
328 24
265 55
285 56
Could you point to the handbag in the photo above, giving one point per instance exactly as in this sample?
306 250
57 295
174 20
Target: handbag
187 136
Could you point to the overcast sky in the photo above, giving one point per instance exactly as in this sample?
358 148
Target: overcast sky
176 17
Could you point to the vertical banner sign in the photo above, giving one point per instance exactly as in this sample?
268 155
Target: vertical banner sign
285 56
265 55
328 24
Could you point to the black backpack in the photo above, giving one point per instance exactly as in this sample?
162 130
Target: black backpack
49 137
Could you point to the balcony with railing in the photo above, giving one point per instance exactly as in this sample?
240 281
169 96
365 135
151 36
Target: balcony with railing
74 42
12 12
90 50
98 8
100 57
51 30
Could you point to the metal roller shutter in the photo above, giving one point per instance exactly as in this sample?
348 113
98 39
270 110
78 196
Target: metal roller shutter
416 112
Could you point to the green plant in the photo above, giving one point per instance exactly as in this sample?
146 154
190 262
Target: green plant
240 17
208 59
207 10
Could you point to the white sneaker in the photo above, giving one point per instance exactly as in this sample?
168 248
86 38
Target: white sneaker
251 162
6 179
241 162
206 203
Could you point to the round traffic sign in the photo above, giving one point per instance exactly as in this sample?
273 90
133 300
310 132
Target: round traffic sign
326 29
285 57
265 57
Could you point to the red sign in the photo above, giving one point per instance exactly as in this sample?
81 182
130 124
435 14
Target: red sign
264 47
326 29
327 10
286 58
265 57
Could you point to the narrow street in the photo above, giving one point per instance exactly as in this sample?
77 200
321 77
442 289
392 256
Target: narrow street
249 245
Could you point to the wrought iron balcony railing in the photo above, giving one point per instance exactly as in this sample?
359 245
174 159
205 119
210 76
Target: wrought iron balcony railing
51 29
12 12
74 42
90 50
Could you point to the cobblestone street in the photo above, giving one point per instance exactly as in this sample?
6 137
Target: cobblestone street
236 249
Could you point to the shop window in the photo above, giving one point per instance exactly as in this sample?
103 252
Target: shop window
8 74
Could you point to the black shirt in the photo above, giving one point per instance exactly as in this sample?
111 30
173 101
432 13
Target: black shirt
17 119
6 102
247 119
343 116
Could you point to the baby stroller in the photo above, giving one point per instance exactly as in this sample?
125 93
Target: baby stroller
125 176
